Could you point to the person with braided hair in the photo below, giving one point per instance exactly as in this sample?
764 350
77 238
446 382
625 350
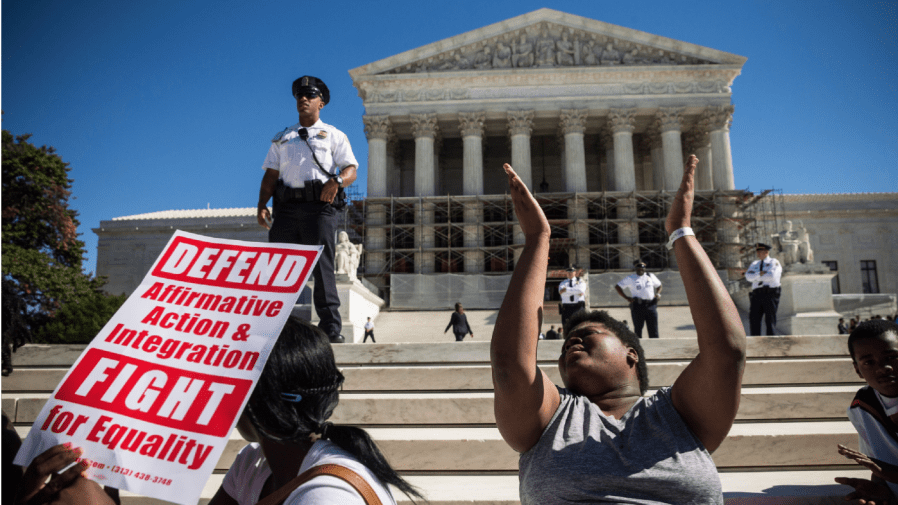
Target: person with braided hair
286 423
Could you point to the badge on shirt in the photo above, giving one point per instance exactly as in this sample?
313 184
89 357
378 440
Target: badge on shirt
322 134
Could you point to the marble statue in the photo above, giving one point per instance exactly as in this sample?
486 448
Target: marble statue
805 253
610 56
523 53
589 57
786 244
483 59
347 256
545 48
502 58
565 50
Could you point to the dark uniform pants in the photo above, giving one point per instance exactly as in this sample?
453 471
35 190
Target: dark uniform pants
313 223
569 309
644 313
764 303
369 333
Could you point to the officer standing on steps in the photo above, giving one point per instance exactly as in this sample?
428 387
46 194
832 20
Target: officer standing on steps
307 167
764 275
645 290
573 295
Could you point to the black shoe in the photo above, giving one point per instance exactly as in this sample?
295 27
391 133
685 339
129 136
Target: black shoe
337 339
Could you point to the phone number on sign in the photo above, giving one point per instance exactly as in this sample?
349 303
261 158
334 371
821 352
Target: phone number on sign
141 476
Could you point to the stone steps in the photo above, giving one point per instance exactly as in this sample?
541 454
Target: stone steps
465 377
372 409
795 487
483 450
429 407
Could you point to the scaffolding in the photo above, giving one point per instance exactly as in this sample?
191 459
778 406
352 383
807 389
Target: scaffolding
598 232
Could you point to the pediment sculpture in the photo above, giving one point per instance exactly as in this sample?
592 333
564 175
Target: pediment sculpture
547 45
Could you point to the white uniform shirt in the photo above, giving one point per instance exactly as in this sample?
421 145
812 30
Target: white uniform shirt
772 273
250 470
369 325
641 286
290 155
572 290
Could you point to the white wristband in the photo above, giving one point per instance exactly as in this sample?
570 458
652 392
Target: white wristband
682 232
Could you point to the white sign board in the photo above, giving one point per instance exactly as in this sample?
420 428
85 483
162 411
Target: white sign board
153 399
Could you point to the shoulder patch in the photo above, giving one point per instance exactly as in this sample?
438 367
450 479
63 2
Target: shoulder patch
280 134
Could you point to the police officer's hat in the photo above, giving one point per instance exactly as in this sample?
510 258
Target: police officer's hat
570 268
310 84
759 246
636 263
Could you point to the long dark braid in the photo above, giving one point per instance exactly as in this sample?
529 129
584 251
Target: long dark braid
302 364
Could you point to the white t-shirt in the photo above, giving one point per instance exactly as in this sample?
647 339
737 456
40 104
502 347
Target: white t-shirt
250 470
290 155
641 286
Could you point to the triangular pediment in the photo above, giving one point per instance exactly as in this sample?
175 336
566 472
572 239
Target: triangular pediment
547 39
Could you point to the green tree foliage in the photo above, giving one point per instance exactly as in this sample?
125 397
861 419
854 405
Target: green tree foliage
42 255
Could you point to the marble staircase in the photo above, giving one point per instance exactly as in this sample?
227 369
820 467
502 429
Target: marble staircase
429 407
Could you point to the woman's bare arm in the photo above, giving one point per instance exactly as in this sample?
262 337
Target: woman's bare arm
525 398
707 393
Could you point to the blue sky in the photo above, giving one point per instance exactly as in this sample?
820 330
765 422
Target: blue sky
161 105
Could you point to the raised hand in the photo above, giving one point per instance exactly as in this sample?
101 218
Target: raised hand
530 216
680 215
883 471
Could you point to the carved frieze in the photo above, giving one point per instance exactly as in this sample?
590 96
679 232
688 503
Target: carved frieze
547 45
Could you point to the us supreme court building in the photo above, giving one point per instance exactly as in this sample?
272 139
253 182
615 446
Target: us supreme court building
597 119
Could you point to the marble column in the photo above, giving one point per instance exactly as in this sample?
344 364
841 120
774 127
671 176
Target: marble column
621 122
607 140
378 130
424 128
669 119
698 142
520 126
719 119
471 128
573 124
652 138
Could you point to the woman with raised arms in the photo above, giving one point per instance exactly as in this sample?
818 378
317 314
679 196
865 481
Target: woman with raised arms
600 439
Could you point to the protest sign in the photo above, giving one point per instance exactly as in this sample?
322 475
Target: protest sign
154 397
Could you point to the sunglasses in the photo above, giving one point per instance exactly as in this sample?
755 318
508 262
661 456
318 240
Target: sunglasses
306 94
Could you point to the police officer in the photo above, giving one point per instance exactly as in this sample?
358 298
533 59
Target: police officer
645 289
306 169
764 275
573 295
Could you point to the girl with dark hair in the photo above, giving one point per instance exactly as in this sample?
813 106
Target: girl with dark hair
601 438
459 324
286 423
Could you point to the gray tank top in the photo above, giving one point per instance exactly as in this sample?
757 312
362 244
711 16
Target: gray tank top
649 456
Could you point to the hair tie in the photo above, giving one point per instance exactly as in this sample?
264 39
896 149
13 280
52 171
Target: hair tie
291 397
323 428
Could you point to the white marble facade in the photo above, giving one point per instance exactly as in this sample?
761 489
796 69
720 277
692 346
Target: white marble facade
619 107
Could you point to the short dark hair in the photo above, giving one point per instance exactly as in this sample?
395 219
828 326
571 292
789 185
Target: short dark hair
621 331
873 328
